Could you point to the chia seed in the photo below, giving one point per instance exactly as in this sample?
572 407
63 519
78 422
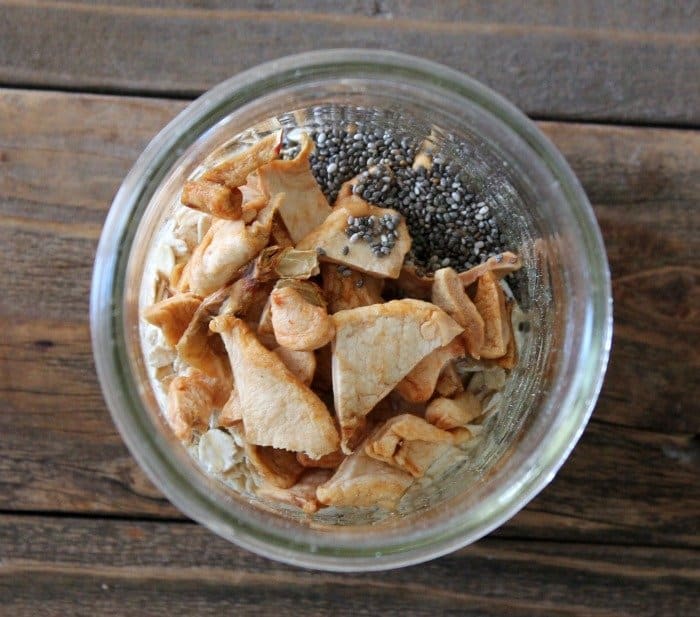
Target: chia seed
344 271
450 223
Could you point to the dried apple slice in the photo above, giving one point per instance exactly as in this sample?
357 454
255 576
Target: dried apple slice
278 467
302 205
418 386
408 443
278 410
234 172
347 289
333 243
225 248
448 293
361 481
297 323
490 301
510 359
328 461
375 347
198 347
301 363
231 413
499 265
449 382
173 315
450 413
302 495
215 199
276 262
191 401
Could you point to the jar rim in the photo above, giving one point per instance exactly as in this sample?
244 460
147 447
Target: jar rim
107 328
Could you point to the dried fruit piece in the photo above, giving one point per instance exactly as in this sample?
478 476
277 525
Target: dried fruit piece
278 410
347 289
418 386
362 481
449 413
375 347
173 315
461 435
254 200
231 413
199 348
191 400
407 442
490 301
499 265
275 262
215 199
449 383
234 172
510 359
302 205
331 239
225 248
413 285
301 363
266 333
487 381
297 323
302 494
278 467
279 234
417 286
448 293
328 461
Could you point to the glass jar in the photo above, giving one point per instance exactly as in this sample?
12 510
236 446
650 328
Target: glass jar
564 287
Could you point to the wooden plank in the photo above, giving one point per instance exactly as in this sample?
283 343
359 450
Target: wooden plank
631 63
636 15
88 567
630 480
644 185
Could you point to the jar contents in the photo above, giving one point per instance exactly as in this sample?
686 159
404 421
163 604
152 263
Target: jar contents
329 317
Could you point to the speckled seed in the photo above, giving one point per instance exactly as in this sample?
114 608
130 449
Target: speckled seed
446 220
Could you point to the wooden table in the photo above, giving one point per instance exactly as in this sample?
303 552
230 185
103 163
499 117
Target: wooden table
85 85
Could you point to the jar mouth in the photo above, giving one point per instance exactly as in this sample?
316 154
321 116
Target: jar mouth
523 478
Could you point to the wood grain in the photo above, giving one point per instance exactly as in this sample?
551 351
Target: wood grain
635 15
635 62
85 567
633 477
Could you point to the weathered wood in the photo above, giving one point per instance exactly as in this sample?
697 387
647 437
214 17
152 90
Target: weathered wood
644 185
88 567
632 478
633 62
635 15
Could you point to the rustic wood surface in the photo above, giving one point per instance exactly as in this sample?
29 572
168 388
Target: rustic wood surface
83 532
636 61
75 566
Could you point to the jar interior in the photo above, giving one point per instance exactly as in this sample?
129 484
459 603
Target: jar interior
521 216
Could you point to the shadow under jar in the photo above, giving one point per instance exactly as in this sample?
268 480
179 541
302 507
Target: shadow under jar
563 287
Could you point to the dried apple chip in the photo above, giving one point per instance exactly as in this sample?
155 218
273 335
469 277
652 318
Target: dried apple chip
448 293
401 442
173 315
490 301
215 199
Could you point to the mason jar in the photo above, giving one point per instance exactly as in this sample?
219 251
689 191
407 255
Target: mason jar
563 288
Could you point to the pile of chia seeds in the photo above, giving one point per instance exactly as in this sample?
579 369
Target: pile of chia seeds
449 224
